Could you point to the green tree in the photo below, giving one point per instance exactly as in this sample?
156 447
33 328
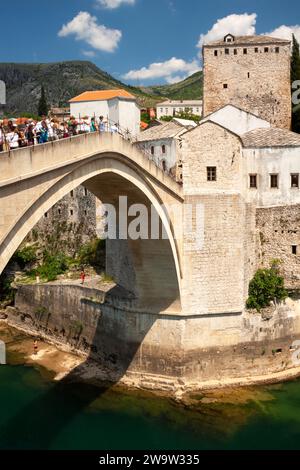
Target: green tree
43 106
182 115
266 286
295 75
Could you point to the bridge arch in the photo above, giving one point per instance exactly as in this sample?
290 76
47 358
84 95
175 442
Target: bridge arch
102 174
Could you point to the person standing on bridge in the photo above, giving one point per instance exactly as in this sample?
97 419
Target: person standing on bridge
1 138
93 126
101 124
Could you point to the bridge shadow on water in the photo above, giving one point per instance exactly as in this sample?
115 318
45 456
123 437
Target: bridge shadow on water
41 421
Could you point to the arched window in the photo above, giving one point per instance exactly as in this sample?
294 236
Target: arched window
163 149
164 165
152 150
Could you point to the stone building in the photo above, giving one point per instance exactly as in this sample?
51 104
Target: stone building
246 174
252 72
173 107
163 144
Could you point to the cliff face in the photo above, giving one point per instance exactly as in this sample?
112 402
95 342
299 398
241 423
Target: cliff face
61 80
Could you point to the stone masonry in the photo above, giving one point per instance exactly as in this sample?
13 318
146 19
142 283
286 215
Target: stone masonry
252 72
68 224
279 238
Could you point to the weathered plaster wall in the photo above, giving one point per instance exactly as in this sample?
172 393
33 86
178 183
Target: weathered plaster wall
236 120
266 161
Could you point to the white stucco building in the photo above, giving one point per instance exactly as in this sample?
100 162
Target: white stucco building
171 108
162 143
116 106
270 172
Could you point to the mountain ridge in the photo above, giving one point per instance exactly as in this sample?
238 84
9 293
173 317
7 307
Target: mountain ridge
63 80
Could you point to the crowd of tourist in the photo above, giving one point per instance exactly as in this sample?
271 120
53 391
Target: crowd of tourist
28 132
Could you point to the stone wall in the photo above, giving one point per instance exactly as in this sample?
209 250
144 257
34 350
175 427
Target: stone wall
211 145
278 231
216 275
257 82
68 225
155 350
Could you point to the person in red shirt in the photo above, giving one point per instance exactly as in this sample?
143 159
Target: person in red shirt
82 276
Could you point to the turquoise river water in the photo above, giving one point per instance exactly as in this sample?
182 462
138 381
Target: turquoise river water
36 413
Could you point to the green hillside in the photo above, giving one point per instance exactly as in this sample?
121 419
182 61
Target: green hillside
64 80
189 89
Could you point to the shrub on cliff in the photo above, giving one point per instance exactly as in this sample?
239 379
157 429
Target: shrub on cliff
93 254
6 291
266 286
25 256
52 266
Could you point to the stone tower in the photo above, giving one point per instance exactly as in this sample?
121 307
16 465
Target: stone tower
251 72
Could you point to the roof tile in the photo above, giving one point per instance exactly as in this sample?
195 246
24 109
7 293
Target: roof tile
273 137
101 95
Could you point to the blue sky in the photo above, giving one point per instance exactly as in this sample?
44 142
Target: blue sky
126 37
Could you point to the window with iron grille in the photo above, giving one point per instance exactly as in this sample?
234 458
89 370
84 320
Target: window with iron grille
211 173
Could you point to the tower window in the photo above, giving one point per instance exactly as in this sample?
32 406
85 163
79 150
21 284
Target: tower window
227 51
46 215
253 181
211 173
295 180
277 49
216 53
256 50
266 49
59 211
152 150
71 212
235 51
294 249
225 85
163 149
274 181
245 51
72 193
85 192
248 74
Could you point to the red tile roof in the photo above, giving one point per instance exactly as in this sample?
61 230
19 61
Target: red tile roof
101 95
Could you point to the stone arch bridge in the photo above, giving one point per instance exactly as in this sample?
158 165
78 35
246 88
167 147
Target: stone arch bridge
34 179
187 319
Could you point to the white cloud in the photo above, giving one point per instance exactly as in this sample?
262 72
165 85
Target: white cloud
111 4
172 70
243 25
89 53
239 25
286 32
175 79
85 28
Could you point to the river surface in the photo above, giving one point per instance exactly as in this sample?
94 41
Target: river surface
36 413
